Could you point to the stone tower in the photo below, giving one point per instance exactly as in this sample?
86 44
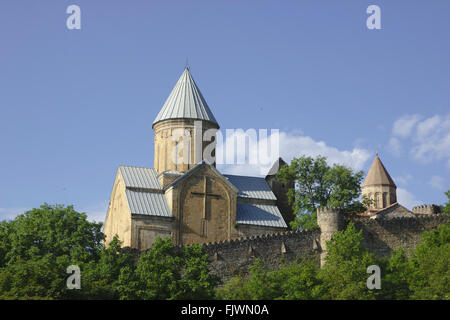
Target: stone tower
379 186
330 220
280 189
181 127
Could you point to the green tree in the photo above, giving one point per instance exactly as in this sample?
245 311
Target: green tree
100 277
396 271
292 281
430 264
318 184
257 285
298 280
344 273
37 247
168 272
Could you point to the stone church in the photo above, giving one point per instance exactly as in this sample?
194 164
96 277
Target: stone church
190 200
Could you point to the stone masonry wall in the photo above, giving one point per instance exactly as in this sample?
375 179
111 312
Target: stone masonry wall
230 258
383 236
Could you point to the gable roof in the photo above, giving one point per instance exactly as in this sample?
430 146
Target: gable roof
197 167
147 203
251 187
185 101
140 178
378 174
145 195
260 215
395 210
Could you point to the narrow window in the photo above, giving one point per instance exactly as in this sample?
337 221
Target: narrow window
176 155
165 156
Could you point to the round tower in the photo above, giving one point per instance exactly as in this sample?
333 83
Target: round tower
379 186
330 221
185 129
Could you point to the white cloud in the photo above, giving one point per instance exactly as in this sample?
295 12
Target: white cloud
404 125
432 140
427 140
437 182
407 199
292 145
395 146
403 180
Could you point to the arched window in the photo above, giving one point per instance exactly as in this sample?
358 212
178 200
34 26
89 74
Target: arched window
379 200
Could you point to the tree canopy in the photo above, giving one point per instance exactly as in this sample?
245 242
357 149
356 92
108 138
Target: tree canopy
318 184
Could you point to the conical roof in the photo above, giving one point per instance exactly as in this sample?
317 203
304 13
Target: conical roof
185 102
378 174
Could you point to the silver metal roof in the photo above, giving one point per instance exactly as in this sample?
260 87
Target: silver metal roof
185 101
148 203
137 177
251 187
259 214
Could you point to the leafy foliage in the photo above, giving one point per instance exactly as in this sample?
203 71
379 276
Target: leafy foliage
318 184
344 274
167 272
430 265
37 247
293 281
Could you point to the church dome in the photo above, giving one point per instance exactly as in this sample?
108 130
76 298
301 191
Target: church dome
185 102
378 175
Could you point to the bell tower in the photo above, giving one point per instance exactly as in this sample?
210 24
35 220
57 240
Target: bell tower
185 129
379 186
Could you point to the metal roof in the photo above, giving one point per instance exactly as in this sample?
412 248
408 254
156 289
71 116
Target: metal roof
148 203
259 214
142 178
185 101
251 187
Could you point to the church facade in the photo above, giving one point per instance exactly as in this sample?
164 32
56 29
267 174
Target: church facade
184 196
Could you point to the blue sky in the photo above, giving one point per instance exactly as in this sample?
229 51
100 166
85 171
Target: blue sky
76 104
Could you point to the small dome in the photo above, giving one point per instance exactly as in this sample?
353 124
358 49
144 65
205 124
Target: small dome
378 175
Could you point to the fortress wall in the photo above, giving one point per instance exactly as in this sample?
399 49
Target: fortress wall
383 236
233 257
230 258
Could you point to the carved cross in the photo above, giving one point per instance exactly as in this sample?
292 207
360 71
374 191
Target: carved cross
205 194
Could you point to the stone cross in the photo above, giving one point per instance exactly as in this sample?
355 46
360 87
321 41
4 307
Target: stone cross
205 194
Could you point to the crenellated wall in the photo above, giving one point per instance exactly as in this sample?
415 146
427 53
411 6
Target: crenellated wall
380 237
232 257
427 209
